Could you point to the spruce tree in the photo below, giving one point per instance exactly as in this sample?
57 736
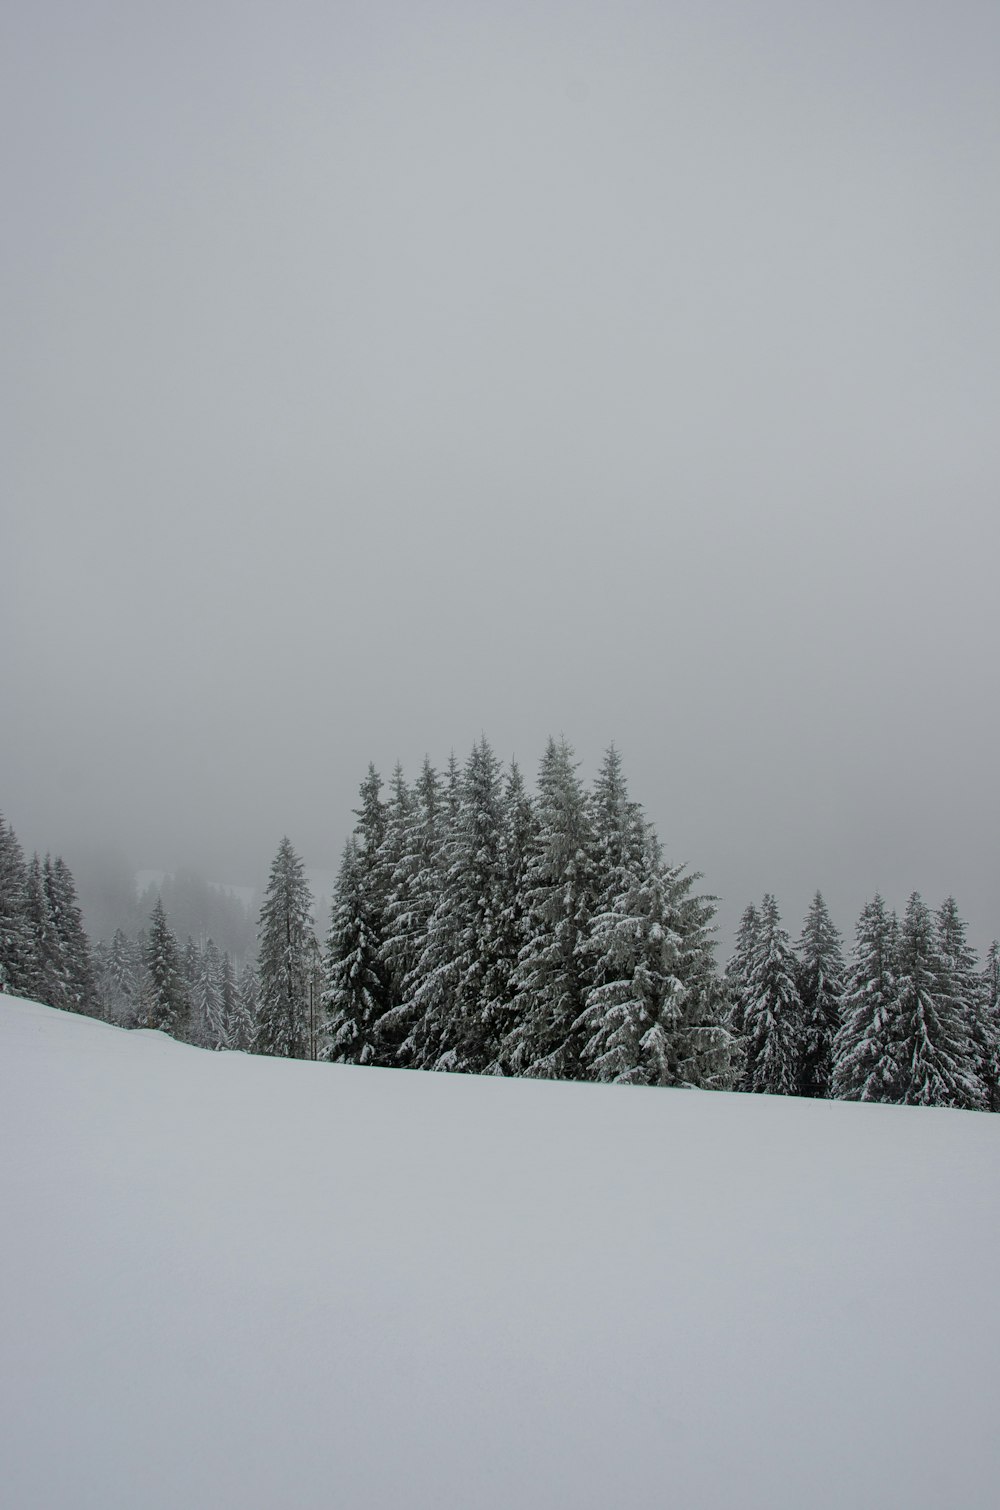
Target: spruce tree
207 1003
772 1010
73 964
699 1049
867 1046
166 1005
520 828
960 987
18 966
989 1007
631 950
388 881
123 981
46 983
413 895
247 1010
935 1051
284 931
737 984
632 1006
355 985
229 1004
551 979
821 987
463 989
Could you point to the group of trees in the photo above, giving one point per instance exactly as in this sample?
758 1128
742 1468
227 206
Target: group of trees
908 1018
145 981
477 927
196 993
44 950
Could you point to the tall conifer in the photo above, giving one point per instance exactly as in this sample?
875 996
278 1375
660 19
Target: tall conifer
772 1010
821 986
867 1046
284 931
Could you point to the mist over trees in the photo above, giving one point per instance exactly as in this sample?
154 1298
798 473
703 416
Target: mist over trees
478 927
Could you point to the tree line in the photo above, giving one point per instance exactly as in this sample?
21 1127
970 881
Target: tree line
910 1017
478 927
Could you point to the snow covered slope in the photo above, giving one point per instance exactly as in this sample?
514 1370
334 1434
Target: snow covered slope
237 1282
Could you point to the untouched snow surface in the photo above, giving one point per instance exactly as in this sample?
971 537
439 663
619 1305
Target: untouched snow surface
237 1282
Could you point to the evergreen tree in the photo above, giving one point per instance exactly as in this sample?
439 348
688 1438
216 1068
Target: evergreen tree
121 981
989 999
772 1010
46 981
463 987
247 1010
355 989
18 966
960 987
551 978
166 1006
388 882
520 828
229 1005
737 971
632 1006
71 948
935 1054
414 893
207 999
284 932
866 1049
699 1049
631 949
821 987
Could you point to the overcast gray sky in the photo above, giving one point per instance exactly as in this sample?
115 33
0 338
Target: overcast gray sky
376 375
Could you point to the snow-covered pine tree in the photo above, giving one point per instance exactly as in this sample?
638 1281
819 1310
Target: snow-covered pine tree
772 1010
961 995
355 990
935 1052
989 999
413 895
520 827
229 1004
866 1048
46 981
207 999
551 978
247 1010
387 882
284 931
464 937
632 1006
698 1048
166 1004
123 981
737 982
431 988
631 951
74 964
100 955
191 958
372 817
18 967
821 987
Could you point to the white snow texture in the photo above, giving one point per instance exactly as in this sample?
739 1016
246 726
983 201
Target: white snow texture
235 1281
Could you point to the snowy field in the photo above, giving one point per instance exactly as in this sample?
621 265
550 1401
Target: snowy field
237 1282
